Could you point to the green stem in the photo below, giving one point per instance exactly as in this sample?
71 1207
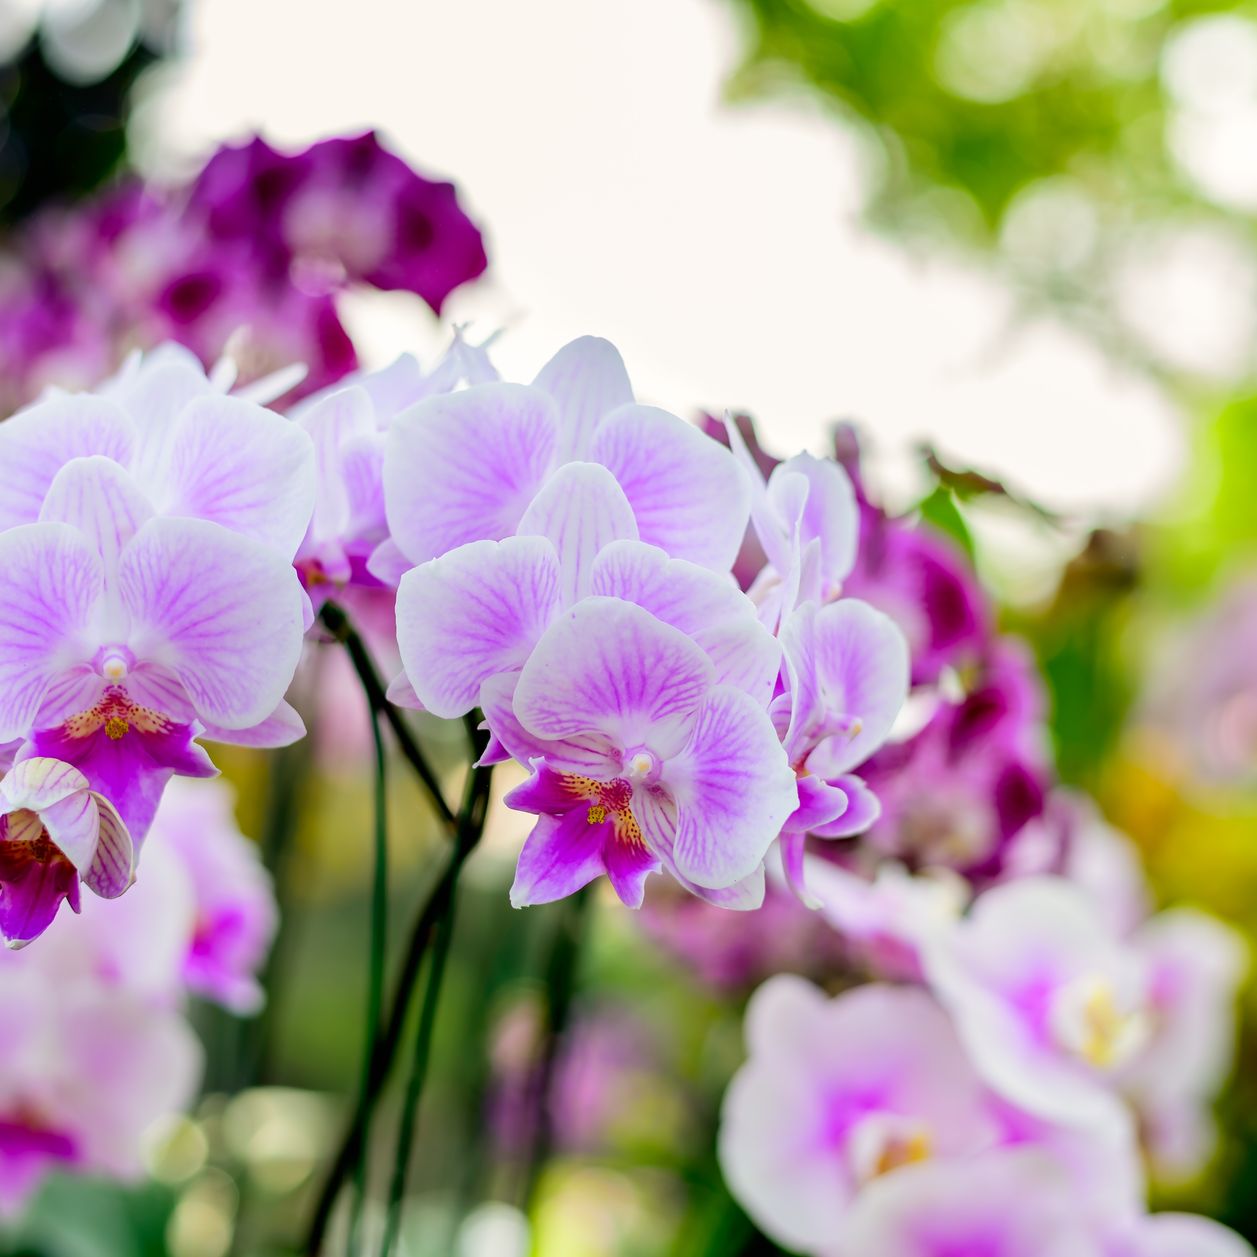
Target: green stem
375 987
339 626
471 819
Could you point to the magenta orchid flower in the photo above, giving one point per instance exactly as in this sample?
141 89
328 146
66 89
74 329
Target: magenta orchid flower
55 831
465 467
123 637
846 669
836 1094
641 761
1050 1003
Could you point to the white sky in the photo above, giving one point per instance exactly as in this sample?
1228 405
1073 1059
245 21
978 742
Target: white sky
717 246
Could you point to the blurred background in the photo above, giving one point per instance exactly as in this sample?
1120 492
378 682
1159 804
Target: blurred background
1014 240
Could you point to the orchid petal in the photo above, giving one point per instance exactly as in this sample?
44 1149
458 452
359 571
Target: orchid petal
37 442
50 581
704 605
241 466
592 755
223 612
282 727
734 789
558 858
864 809
463 466
689 496
609 667
580 510
112 869
587 380
474 612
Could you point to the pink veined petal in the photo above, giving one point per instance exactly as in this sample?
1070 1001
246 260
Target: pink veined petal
158 688
733 788
282 727
401 693
101 499
587 380
224 613
580 510
241 466
591 755
609 667
37 442
689 496
50 582
473 613
332 423
39 782
112 869
464 466
703 604
73 823
559 857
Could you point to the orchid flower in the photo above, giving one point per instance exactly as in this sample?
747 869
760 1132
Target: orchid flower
641 761
837 1094
846 670
123 637
55 831
465 466
1050 1004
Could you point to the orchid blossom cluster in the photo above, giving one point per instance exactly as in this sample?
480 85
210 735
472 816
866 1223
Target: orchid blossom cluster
96 1047
997 1106
572 552
249 258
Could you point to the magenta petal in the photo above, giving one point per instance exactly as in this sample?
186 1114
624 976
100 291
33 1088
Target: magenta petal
31 891
820 803
628 866
559 857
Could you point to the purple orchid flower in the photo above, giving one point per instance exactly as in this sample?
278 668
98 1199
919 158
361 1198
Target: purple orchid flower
466 466
55 831
641 761
124 637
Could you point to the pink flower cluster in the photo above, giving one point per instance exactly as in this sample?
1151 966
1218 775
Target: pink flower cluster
95 1047
250 256
572 552
998 1106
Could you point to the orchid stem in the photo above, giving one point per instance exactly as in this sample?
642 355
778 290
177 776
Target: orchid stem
375 988
422 931
341 628
471 820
